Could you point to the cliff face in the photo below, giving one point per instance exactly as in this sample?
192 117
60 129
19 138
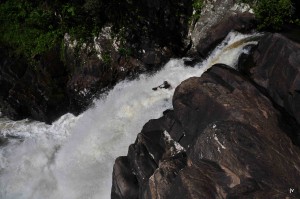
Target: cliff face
224 139
68 77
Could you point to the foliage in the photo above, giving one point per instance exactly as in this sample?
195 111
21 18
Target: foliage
197 6
34 27
126 52
273 14
24 27
106 58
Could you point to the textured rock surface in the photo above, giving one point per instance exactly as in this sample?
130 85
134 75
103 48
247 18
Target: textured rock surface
217 19
38 93
275 66
68 81
229 143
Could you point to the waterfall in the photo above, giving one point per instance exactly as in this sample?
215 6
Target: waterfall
73 158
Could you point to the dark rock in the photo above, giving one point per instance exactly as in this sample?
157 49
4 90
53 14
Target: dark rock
204 179
154 152
163 178
151 58
244 56
3 141
230 139
291 31
253 160
191 61
124 181
296 5
37 93
275 67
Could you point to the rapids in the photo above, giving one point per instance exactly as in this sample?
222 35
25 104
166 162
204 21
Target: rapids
73 158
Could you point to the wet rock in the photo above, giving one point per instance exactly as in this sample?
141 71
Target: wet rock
275 67
124 181
224 139
3 141
217 19
152 58
155 156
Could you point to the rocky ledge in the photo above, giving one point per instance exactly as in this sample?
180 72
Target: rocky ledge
227 137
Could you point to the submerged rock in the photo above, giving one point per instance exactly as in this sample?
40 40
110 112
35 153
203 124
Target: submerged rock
229 139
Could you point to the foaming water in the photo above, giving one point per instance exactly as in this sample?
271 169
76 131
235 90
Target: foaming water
73 158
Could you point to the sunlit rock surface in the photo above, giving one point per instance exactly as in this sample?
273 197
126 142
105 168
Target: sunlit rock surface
217 19
275 66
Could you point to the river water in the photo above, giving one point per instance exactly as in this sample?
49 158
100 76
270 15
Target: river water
73 158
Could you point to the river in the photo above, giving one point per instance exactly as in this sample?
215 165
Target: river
73 158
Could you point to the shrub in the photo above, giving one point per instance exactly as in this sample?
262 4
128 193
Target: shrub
34 27
197 6
272 14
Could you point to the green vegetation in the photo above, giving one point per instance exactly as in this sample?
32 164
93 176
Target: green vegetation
197 7
125 52
106 58
273 14
24 27
34 27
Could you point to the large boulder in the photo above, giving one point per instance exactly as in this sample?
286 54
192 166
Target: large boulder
224 139
216 20
275 66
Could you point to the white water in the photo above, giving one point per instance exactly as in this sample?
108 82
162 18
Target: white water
73 158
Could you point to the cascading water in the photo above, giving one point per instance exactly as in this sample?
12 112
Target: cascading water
73 158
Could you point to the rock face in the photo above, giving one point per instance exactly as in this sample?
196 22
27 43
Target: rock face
38 93
224 139
217 19
275 66
67 79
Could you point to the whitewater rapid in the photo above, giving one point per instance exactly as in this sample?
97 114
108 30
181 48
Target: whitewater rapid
73 158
